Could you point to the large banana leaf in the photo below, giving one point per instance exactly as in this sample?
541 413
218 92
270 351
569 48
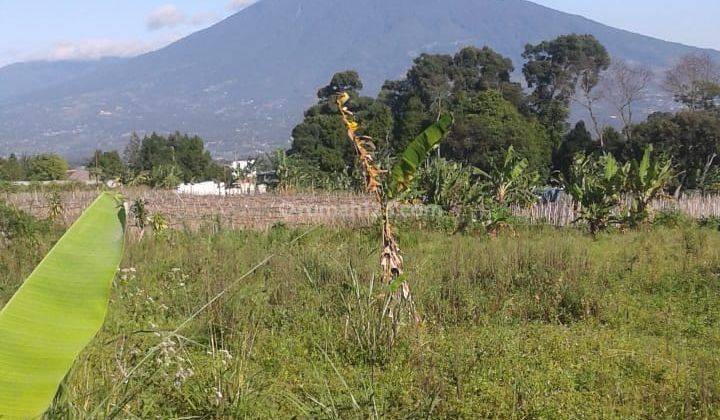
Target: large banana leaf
416 153
58 310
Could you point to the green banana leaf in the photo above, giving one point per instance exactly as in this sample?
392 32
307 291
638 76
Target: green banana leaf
58 310
416 153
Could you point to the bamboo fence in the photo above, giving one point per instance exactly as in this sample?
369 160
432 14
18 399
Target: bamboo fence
331 209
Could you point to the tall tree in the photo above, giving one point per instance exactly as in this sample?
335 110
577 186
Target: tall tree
487 125
107 165
185 154
341 82
555 69
131 154
624 85
695 82
692 139
190 155
320 140
437 83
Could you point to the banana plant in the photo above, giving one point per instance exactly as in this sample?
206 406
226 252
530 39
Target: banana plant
386 186
645 181
510 182
416 154
58 310
596 186
450 185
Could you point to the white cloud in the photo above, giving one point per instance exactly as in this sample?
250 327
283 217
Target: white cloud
91 49
237 5
167 16
204 18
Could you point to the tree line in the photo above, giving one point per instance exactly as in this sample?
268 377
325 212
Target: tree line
493 113
43 167
154 160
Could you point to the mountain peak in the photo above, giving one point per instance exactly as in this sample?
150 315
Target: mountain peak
244 82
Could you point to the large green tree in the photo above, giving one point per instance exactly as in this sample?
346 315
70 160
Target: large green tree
46 167
555 70
106 165
475 86
691 139
487 125
187 153
320 140
435 83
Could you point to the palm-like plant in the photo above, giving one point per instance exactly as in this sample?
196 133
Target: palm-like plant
449 185
510 182
645 181
596 186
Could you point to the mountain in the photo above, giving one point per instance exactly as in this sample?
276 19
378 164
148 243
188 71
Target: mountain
244 82
22 78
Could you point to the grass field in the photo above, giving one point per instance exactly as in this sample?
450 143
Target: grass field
548 323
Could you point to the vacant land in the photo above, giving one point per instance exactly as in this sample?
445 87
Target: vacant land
545 324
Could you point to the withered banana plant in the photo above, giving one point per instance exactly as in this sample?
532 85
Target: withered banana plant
385 186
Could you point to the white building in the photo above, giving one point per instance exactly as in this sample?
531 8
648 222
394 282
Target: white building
245 184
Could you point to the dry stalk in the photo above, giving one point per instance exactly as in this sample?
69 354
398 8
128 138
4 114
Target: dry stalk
391 260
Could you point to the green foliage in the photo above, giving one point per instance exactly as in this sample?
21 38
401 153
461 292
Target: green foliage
416 153
159 224
140 213
46 167
55 203
11 169
18 226
450 185
596 186
43 167
646 180
672 218
320 140
293 173
692 139
545 324
106 165
438 83
555 69
166 176
347 81
510 182
58 310
168 161
577 141
487 125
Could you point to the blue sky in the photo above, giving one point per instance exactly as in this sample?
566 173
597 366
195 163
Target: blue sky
692 22
69 29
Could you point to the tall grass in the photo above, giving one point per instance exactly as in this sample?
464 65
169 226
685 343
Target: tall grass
546 324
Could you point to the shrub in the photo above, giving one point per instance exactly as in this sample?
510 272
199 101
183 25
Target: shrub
671 218
16 225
